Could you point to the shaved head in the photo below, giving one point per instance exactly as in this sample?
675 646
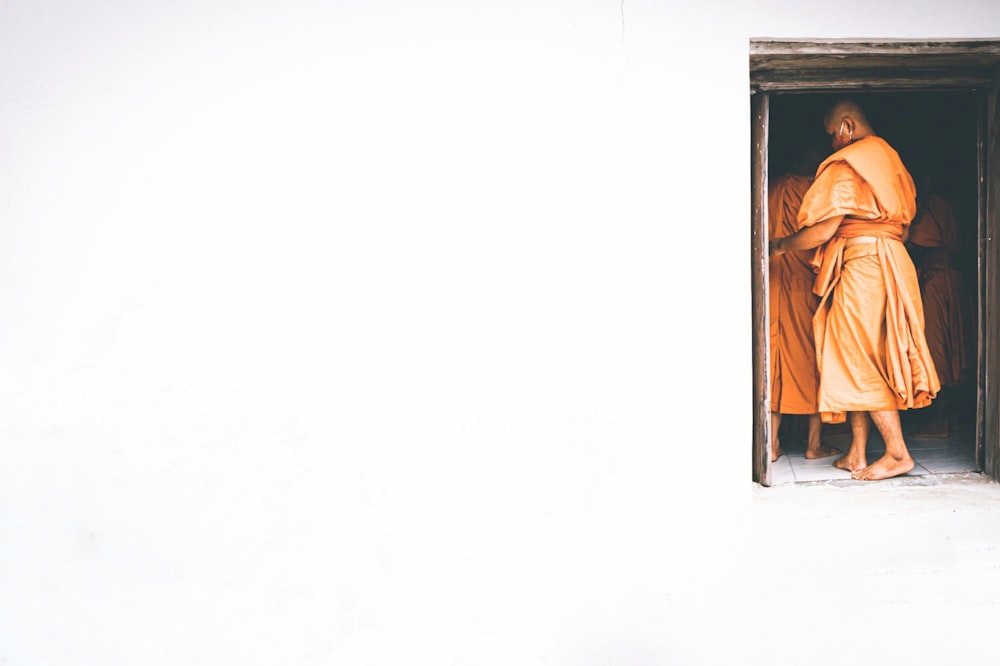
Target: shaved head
846 123
846 108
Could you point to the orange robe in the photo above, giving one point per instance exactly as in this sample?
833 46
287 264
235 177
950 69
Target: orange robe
869 328
794 379
935 232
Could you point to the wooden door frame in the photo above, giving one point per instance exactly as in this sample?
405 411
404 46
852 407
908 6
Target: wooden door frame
825 66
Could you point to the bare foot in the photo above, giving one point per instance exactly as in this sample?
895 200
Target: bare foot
822 451
851 463
885 467
776 453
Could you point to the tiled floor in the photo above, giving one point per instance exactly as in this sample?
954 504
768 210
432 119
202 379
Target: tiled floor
932 456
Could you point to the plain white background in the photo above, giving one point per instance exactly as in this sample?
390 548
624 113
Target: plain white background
383 332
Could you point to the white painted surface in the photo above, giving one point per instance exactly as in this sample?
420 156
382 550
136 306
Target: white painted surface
377 333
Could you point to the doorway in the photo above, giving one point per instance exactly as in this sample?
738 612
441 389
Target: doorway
938 108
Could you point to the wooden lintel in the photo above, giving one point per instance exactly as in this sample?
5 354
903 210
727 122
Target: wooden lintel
870 47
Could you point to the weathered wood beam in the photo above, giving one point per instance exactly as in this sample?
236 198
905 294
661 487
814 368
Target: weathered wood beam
991 260
869 78
872 47
872 64
759 293
982 138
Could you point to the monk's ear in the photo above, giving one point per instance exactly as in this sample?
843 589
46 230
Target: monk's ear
849 127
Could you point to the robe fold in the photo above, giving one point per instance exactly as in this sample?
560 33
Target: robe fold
794 379
871 349
935 234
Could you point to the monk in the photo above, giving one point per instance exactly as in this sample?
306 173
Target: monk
871 351
933 244
794 380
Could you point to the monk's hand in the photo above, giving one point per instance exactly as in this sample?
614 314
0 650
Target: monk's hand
774 247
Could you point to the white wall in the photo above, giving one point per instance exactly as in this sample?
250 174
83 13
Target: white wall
374 332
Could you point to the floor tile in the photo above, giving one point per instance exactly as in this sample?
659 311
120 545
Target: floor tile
963 440
817 470
781 471
926 443
946 461
931 456
823 470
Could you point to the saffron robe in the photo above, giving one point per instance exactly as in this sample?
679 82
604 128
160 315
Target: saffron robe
871 350
794 379
935 233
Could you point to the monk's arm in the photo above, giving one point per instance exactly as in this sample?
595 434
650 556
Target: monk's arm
805 238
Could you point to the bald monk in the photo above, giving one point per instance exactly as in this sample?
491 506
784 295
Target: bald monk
933 244
794 379
871 352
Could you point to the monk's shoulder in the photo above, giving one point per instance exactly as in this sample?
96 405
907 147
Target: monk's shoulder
836 173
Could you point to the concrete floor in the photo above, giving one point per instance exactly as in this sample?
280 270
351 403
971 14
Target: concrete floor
646 572
905 571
